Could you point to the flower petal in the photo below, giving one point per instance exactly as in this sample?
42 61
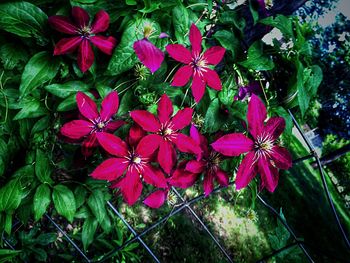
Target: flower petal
131 186
86 106
112 144
208 183
182 76
221 177
233 144
281 157
154 176
194 166
182 179
182 118
112 126
246 171
212 79
186 144
110 170
89 144
76 129
105 44
146 120
256 115
156 199
66 45
100 22
166 156
149 55
179 53
274 127
195 39
63 25
198 87
199 139
80 16
85 55
148 145
214 55
165 109
269 174
136 133
109 106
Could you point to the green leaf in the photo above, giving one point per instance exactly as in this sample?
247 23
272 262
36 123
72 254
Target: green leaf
41 68
150 6
6 255
229 89
254 12
213 119
11 195
41 125
8 222
280 111
256 59
281 22
43 169
68 104
234 18
46 238
67 89
97 203
30 108
126 102
41 200
64 201
25 20
12 55
80 195
228 40
303 96
312 79
181 22
89 229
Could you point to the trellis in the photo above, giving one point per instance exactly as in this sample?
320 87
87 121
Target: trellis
138 237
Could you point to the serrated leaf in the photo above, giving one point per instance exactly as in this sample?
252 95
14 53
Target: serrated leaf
67 89
89 229
64 201
41 68
41 200
256 59
25 20
97 203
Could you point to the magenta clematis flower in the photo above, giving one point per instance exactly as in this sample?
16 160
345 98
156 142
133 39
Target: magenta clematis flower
132 161
208 163
197 64
93 122
264 156
245 91
83 34
166 131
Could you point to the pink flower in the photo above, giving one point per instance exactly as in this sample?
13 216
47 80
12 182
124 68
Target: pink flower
264 156
208 163
197 64
93 122
166 131
83 34
130 164
149 55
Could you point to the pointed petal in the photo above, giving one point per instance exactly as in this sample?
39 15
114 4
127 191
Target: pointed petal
212 79
76 129
281 157
198 87
200 140
233 144
67 45
136 133
156 199
246 171
131 186
166 156
165 108
195 39
63 25
110 170
186 144
182 179
154 176
222 177
274 127
105 44
149 55
146 120
100 22
89 144
269 174
148 145
112 144
179 53
256 115
86 106
182 118
208 183
112 126
109 106
182 76
194 166
214 55
80 16
85 55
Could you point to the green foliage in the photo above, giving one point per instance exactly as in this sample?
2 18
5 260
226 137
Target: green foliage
64 201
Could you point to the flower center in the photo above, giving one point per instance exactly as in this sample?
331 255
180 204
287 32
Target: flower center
101 125
85 32
199 64
213 161
263 145
136 160
167 132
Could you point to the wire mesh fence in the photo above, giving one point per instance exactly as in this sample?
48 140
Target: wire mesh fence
187 205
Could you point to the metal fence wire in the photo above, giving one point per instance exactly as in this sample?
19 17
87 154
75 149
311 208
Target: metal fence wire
138 237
